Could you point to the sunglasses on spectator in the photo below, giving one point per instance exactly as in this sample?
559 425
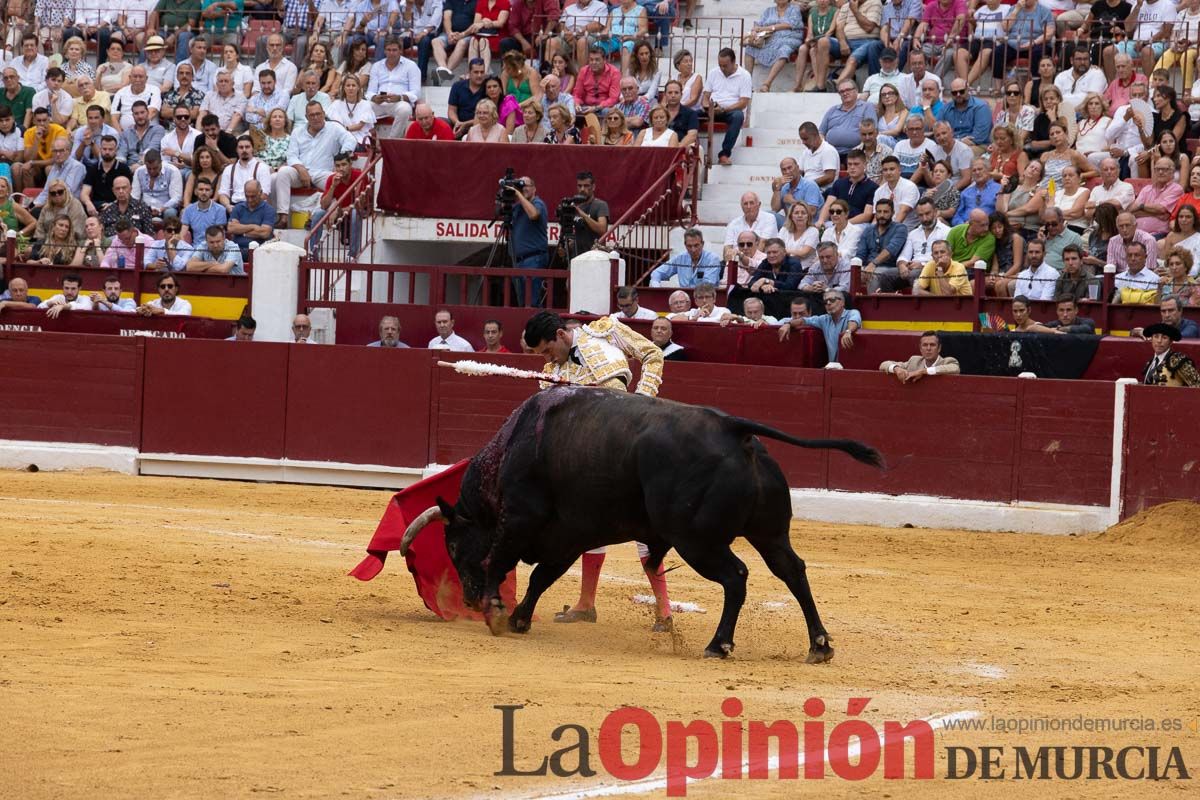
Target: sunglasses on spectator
837 211
957 92
745 244
166 286
1013 92
57 192
183 116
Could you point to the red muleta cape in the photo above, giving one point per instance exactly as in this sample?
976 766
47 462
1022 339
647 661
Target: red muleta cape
427 559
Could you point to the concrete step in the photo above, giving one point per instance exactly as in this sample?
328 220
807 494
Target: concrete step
741 174
731 193
803 103
760 155
719 211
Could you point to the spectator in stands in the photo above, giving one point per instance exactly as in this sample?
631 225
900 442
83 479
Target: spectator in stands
1137 284
780 272
774 39
918 246
855 189
691 266
68 300
878 247
832 271
1172 314
754 218
172 252
561 130
899 191
727 92
533 130
394 86
126 207
17 296
973 240
310 158
61 247
635 108
800 237
122 253
969 117
706 310
16 96
31 65
1124 78
658 133
1124 133
943 275
1038 280
75 65
941 32
1022 322
819 160
679 303
39 141
243 329
661 333
486 127
941 192
1175 280
139 90
85 140
598 86
389 334
446 338
1081 80
252 220
110 299
12 213
915 153
854 35
840 232
1069 321
581 25
897 24
183 95
929 362
1057 236
1009 256
1024 204
840 125
627 302
1128 233
1074 279
972 62
426 126
930 104
169 302
837 325
888 74
1155 201
874 152
464 95
59 203
755 315
140 138
792 187
218 255
492 335
1111 189
159 186
310 85
231 185
55 99
1030 27
553 93
302 330
981 193
178 145
95 243
203 213
62 168
226 102
954 152
283 69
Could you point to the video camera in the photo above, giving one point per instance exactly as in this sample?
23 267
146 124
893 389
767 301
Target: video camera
565 212
508 184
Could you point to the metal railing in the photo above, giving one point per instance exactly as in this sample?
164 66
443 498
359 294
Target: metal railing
344 233
670 202
439 285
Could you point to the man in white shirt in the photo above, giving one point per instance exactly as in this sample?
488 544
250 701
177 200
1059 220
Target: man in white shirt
819 160
335 18
918 249
956 152
579 19
1112 189
903 193
56 99
231 187
68 300
754 218
228 104
1152 35
627 301
285 71
268 97
309 158
158 185
727 92
1037 280
706 309
138 89
910 82
1129 122
394 85
912 151
1081 79
31 65
447 339
169 302
160 70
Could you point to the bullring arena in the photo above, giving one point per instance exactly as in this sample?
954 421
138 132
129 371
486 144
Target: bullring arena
181 638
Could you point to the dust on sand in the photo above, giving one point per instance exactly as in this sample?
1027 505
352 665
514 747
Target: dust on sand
176 638
1176 524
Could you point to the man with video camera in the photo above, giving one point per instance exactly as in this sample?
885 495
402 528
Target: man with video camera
530 234
584 217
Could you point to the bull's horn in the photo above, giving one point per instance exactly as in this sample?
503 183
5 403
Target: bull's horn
427 516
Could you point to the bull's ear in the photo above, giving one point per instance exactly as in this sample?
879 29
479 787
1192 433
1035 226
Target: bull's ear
447 510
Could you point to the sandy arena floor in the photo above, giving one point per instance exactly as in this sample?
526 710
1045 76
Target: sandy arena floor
198 639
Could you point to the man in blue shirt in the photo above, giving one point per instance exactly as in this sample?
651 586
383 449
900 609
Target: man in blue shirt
838 325
252 220
694 265
981 192
218 254
969 116
878 247
530 238
792 187
898 20
204 213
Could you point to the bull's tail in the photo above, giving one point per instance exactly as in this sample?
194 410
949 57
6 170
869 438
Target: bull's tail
856 450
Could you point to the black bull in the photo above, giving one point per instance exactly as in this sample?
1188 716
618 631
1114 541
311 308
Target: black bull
574 468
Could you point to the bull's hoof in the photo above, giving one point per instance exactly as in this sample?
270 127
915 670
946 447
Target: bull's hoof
664 625
722 652
496 617
820 651
518 624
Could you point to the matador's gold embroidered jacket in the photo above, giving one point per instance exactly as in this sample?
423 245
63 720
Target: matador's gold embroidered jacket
604 348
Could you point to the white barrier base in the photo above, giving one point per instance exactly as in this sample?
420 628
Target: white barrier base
16 454
925 511
278 470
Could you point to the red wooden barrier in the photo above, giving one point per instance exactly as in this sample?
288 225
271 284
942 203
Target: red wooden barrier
106 322
1065 442
1162 459
69 388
